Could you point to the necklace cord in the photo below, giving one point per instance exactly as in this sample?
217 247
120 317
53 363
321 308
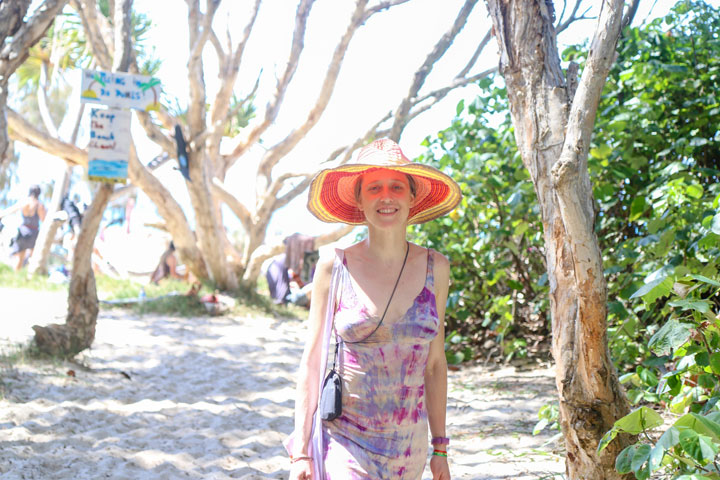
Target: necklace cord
397 282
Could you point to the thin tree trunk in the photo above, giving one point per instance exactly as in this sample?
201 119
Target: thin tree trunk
553 140
78 332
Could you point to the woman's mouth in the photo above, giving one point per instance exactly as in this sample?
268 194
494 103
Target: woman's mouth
387 211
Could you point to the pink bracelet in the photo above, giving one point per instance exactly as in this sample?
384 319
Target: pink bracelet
440 441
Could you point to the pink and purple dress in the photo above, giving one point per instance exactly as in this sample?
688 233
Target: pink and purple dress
383 431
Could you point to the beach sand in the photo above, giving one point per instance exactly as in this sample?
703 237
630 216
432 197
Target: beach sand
212 398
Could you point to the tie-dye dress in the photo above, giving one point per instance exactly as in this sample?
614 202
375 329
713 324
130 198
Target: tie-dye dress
382 432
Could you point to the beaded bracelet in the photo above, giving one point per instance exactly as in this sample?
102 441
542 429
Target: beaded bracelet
297 459
439 453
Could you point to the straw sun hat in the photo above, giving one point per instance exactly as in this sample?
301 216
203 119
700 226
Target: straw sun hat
332 191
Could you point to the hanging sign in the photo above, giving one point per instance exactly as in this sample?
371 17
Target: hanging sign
120 90
109 147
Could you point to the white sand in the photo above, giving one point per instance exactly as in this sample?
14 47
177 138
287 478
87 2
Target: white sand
212 398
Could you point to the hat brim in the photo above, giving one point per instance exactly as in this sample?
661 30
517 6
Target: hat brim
332 193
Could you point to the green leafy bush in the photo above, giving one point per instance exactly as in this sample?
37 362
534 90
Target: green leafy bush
655 166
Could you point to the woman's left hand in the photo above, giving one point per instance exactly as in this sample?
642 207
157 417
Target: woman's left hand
439 468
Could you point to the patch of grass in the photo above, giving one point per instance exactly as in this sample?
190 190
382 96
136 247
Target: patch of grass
167 298
11 279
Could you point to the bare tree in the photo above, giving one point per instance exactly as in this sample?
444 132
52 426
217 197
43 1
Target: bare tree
212 152
553 118
16 38
214 147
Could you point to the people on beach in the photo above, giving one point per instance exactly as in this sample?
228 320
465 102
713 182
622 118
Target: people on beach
383 302
33 212
168 266
285 284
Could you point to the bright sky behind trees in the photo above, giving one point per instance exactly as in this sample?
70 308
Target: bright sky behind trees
390 39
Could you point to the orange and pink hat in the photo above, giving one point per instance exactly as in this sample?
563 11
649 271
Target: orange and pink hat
332 191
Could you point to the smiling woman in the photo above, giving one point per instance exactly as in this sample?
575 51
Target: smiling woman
385 300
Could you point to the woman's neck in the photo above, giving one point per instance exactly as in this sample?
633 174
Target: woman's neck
386 245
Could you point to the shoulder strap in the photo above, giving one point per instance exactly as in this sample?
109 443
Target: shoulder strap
316 432
430 275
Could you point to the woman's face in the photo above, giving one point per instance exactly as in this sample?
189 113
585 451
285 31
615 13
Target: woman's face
385 197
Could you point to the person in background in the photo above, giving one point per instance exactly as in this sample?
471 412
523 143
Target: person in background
285 284
278 279
73 213
33 212
167 266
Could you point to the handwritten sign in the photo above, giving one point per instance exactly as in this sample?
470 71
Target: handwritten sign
109 147
120 90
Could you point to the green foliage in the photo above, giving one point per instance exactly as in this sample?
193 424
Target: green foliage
493 239
654 167
548 418
664 265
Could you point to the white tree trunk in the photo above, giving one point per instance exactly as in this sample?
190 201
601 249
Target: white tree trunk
552 130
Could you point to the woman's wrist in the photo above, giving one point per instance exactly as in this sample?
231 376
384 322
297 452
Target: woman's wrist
440 441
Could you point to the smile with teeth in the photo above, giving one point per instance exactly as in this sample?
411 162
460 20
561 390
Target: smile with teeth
387 210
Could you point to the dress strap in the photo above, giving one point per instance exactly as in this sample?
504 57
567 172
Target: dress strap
429 275
342 265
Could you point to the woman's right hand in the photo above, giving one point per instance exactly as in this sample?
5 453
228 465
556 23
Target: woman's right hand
301 470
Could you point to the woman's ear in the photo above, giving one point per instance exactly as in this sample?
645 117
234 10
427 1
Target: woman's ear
413 200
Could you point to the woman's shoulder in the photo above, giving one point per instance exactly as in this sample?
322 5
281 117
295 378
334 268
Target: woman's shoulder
439 259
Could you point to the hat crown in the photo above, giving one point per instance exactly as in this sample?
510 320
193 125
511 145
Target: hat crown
382 152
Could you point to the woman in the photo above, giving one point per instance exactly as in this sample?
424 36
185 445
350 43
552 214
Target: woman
33 211
391 345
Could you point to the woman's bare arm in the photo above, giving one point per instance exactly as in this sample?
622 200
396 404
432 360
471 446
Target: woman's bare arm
309 373
436 370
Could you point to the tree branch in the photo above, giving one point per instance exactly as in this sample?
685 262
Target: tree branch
573 17
122 36
476 55
243 214
579 212
273 106
382 6
15 52
630 13
221 105
196 106
22 131
154 133
219 51
333 236
278 151
91 26
206 31
42 99
422 73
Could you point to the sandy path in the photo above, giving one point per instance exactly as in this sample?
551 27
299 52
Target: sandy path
212 398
